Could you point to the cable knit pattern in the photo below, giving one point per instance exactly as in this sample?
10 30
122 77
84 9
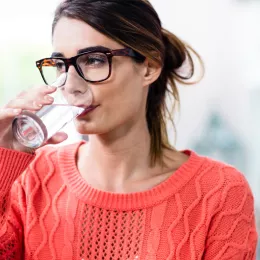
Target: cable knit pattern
204 210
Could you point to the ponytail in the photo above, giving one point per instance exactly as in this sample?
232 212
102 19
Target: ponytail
157 113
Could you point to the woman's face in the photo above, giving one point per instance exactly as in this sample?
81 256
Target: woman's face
121 99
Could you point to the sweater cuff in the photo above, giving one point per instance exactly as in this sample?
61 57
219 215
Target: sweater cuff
12 164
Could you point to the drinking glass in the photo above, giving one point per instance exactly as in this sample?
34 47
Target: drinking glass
34 129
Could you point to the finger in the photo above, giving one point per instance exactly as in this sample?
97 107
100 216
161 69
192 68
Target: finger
33 99
44 89
39 94
9 113
58 138
42 94
24 104
33 105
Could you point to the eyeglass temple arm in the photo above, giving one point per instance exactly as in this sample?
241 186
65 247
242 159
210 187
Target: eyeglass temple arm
128 52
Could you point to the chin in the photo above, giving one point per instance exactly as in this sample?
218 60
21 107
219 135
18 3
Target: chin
100 127
88 131
87 128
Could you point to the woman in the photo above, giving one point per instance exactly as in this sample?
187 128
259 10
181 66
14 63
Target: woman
126 193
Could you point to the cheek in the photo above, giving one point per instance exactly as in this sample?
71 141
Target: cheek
125 92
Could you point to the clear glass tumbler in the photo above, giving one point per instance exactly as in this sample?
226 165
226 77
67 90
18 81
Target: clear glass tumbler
34 129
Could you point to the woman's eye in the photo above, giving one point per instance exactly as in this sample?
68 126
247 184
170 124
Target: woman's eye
94 60
59 65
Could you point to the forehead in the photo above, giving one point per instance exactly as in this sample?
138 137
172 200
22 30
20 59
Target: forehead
71 35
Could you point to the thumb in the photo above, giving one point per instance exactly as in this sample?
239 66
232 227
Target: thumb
58 138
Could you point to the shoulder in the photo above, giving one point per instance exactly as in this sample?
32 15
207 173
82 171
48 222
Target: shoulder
208 170
229 206
54 152
45 157
222 191
223 183
232 220
227 174
47 162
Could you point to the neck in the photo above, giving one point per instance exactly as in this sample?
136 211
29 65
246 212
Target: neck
118 157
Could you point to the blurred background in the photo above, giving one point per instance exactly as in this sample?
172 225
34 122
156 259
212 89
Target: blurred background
219 117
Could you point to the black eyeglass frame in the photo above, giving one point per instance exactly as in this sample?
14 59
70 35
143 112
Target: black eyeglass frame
109 53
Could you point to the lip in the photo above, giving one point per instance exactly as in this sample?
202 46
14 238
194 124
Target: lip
88 110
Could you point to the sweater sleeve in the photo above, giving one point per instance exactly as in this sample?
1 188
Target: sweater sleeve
232 234
12 164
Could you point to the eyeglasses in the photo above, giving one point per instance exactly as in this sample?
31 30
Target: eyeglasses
93 66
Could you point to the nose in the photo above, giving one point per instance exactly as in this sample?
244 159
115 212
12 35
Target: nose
74 84
76 90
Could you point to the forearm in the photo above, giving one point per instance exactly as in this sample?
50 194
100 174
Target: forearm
12 164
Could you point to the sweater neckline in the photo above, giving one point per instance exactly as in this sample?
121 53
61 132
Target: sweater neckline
120 201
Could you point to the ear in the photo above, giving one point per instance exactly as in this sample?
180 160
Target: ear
152 72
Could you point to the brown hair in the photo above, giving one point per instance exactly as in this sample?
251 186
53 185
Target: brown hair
135 24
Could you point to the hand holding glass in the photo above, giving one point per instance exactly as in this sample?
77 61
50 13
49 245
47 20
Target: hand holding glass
34 129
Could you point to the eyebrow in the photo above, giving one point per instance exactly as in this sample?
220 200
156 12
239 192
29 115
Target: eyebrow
88 49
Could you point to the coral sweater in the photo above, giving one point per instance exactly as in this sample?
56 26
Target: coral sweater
204 210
